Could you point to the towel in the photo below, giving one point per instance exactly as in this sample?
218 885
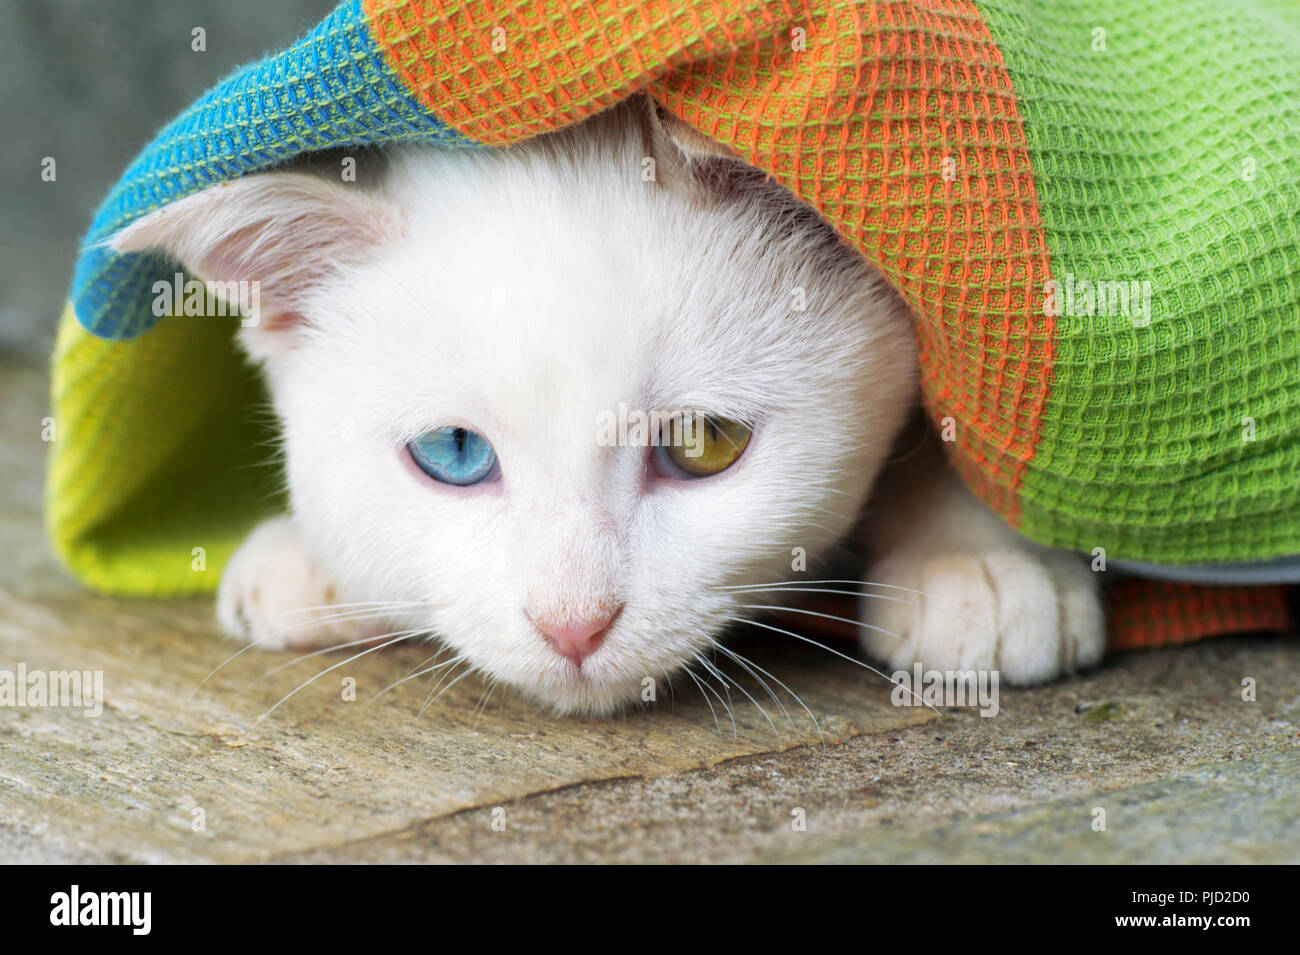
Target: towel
1094 213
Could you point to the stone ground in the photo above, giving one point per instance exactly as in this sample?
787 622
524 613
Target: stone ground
1184 769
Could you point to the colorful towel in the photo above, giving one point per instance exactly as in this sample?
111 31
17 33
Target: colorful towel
1093 210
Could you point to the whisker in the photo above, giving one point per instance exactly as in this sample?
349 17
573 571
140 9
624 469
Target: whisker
822 590
437 683
375 605
398 638
491 685
350 615
672 692
323 650
753 669
735 732
799 583
695 680
714 669
831 650
477 706
428 703
936 601
824 616
411 676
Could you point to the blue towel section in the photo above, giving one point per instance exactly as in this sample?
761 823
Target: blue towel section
331 89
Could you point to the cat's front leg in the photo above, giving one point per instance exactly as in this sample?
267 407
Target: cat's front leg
275 595
968 592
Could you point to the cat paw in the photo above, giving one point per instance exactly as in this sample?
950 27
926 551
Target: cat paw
273 594
1030 615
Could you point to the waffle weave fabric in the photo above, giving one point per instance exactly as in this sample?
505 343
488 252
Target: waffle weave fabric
1094 214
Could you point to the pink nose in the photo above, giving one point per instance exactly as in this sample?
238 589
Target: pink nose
575 640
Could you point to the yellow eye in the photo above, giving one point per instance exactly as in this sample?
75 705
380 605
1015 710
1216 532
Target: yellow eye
697 445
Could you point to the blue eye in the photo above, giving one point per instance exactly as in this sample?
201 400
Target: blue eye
453 456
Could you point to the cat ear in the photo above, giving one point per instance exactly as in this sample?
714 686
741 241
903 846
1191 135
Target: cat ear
283 231
669 130
687 155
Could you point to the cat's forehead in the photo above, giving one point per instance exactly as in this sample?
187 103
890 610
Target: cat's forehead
603 275
546 290
541 342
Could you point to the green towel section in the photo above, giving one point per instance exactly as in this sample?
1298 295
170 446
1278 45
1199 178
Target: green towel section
163 457
1165 139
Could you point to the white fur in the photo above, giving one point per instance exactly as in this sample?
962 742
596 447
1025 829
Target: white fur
966 591
522 293
276 595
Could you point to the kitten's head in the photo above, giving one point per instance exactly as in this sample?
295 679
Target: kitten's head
473 355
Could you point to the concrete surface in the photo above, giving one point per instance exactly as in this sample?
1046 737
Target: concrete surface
1190 774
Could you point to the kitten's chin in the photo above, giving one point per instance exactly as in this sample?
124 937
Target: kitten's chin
578 694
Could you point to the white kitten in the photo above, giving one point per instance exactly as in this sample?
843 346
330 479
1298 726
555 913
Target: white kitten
473 317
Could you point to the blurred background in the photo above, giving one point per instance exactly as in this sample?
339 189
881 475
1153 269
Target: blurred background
89 84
